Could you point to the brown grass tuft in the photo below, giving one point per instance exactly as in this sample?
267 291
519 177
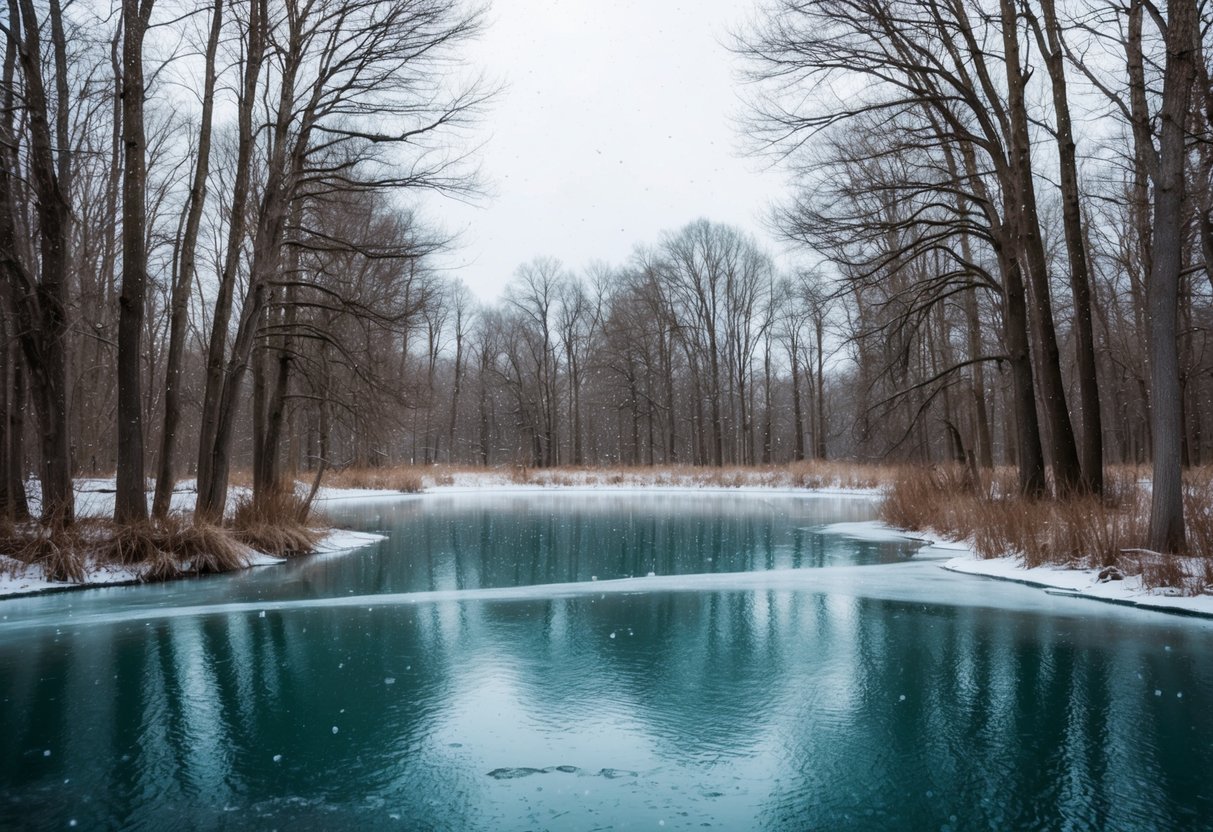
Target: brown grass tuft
173 547
58 550
202 548
406 479
1164 571
1081 531
1198 511
276 524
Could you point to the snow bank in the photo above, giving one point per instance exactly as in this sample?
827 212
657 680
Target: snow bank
872 531
693 480
1082 583
21 579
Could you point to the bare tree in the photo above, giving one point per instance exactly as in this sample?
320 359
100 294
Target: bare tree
356 80
39 300
1167 172
131 499
186 266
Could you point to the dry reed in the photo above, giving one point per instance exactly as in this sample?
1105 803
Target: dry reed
277 524
172 547
1083 531
57 550
154 550
406 479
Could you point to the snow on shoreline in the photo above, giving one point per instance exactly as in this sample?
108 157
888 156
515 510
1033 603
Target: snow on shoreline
20 579
95 498
626 487
1081 583
1054 580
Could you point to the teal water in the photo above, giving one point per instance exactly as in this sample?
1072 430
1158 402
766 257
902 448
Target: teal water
469 673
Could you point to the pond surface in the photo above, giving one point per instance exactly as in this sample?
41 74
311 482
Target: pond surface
471 673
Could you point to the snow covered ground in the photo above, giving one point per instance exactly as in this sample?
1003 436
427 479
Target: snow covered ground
1054 580
694 480
20 579
1083 583
95 498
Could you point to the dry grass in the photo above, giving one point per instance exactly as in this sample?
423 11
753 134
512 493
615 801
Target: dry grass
1081 532
173 547
277 524
1160 571
155 550
57 550
160 549
406 479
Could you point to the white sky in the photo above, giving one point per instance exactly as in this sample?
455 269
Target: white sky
617 123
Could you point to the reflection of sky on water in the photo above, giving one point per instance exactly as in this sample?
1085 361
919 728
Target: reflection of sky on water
767 708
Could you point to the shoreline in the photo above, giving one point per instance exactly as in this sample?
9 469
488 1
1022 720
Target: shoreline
96 496
1081 583
1053 580
25 585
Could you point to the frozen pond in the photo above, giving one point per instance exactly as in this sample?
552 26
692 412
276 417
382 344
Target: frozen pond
471 673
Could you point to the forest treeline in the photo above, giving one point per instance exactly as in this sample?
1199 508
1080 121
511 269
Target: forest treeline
212 258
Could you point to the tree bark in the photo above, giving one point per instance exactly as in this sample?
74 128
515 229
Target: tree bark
13 504
1066 467
797 410
1027 428
41 311
1050 42
268 479
1166 419
456 387
130 505
819 433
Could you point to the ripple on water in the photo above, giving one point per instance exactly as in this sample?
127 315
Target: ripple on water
860 696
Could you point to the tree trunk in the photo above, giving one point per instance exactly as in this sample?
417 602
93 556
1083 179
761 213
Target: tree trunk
797 410
1023 395
717 425
1091 451
1030 246
130 504
667 377
212 400
766 404
819 434
40 307
985 445
13 505
455 390
183 284
1166 420
276 201
268 480
14 472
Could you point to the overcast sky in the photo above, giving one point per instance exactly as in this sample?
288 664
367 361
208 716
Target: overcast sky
617 123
